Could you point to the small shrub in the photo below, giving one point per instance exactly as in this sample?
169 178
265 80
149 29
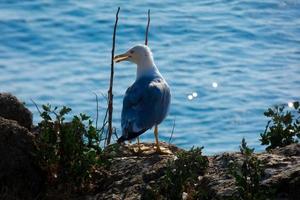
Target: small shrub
248 175
283 127
68 151
180 174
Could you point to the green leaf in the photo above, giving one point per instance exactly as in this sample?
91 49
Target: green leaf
64 110
245 149
282 128
46 116
46 108
296 104
269 113
69 150
84 117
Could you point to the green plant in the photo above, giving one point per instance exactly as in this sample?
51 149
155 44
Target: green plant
248 174
283 127
68 151
181 173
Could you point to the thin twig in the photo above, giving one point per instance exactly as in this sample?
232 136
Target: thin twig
105 122
36 106
267 126
102 128
97 117
172 131
110 93
104 96
147 29
115 133
105 117
97 104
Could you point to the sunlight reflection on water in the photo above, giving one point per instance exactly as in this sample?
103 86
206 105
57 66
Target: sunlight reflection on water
214 84
290 104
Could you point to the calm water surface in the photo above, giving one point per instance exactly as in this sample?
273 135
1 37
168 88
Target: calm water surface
226 61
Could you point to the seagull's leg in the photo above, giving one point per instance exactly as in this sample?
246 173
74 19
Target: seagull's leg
139 147
158 150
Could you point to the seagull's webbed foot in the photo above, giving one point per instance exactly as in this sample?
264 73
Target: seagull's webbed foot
140 148
159 150
139 145
162 150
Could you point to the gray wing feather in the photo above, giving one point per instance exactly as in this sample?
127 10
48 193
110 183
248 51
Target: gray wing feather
146 103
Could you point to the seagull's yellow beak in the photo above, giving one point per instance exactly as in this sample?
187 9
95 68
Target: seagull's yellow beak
121 57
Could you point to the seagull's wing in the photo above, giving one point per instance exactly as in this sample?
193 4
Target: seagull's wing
155 105
145 104
133 97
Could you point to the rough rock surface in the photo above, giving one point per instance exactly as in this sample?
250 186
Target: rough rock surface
282 172
131 172
20 178
12 108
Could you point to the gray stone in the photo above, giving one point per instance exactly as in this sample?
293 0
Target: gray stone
132 173
282 169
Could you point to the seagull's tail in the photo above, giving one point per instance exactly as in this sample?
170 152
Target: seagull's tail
121 139
130 136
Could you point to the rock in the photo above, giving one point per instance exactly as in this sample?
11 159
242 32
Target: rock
282 169
290 150
131 172
217 181
20 177
12 108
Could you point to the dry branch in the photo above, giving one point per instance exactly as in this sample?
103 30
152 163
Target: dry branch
147 29
110 93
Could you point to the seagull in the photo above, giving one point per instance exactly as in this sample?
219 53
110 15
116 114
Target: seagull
146 102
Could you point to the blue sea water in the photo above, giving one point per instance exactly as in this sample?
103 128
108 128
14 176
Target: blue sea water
225 60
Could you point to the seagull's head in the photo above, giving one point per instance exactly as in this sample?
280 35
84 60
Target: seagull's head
139 54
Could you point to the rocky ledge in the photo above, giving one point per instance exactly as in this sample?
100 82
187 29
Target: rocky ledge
282 172
131 173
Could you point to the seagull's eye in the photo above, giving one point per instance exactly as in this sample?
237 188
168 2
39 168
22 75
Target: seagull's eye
131 51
